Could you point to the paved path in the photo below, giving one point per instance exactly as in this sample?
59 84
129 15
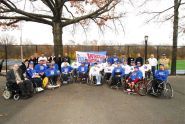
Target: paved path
83 104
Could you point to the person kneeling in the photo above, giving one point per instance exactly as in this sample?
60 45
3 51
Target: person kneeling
135 76
15 76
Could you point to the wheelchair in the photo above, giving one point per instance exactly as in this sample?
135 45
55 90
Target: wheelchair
12 90
82 78
116 82
139 87
164 89
93 81
66 78
107 78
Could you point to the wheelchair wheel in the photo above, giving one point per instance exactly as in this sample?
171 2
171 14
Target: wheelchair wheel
149 87
7 94
168 91
16 97
141 89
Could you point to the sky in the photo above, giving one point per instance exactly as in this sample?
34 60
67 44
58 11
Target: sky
134 25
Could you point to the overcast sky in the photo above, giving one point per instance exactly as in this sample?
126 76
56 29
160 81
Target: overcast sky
134 30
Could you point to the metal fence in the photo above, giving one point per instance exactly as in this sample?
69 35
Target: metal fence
14 51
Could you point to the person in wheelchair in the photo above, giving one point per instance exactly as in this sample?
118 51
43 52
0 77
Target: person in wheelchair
52 74
66 71
82 71
117 75
16 81
34 77
108 71
135 77
95 74
41 67
161 76
75 66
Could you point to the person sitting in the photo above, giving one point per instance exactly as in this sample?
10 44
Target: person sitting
66 70
135 76
94 74
82 71
127 69
34 77
141 68
52 74
161 75
75 66
108 71
16 79
41 68
115 58
117 75
64 63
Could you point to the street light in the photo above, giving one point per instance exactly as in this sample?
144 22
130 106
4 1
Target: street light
146 44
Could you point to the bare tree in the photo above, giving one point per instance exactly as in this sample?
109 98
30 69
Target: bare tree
58 14
167 15
6 39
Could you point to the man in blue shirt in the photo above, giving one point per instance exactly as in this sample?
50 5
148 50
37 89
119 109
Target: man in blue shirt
66 70
82 71
52 74
41 68
117 75
33 76
161 75
135 76
115 58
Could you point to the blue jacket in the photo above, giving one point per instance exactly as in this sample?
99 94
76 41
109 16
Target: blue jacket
40 68
83 69
162 75
51 72
66 69
30 72
118 70
110 60
136 74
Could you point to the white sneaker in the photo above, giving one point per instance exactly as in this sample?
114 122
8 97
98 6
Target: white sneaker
129 90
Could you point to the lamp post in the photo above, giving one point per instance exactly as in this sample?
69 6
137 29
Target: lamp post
146 45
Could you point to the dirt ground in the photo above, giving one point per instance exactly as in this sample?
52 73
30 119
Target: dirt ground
83 104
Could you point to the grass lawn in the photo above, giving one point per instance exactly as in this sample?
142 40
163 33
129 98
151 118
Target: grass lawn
180 64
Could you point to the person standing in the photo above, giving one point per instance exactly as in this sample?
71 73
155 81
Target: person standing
66 58
153 62
130 59
165 61
139 59
123 58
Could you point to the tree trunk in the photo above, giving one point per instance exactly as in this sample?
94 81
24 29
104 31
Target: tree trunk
175 37
57 38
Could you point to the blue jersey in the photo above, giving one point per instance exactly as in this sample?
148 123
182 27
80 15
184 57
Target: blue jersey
66 69
115 59
51 72
40 68
83 69
162 75
56 66
118 70
30 73
136 75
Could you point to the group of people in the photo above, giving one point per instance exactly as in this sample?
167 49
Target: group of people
42 71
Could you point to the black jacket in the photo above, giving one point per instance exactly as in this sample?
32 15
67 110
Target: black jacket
10 76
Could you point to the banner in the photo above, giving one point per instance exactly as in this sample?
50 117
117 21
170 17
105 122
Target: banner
90 56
